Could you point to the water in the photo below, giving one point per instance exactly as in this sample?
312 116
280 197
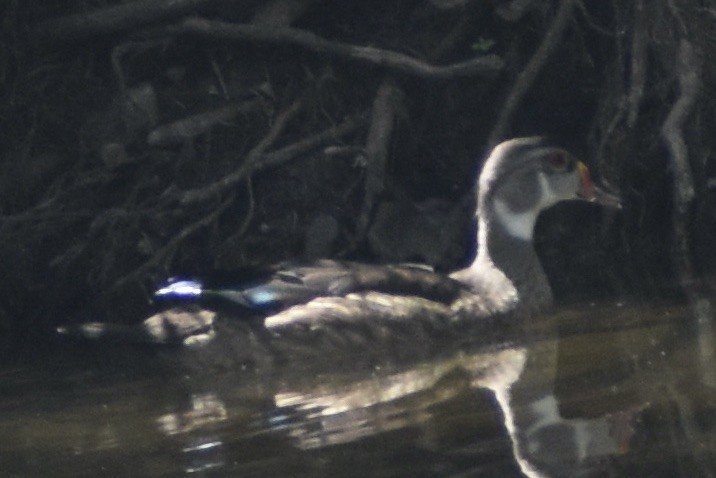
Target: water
605 390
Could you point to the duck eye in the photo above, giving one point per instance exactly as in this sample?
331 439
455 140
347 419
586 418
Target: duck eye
558 160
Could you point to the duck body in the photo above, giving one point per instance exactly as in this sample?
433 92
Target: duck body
321 302
337 305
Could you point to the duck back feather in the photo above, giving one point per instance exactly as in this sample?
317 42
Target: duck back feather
291 284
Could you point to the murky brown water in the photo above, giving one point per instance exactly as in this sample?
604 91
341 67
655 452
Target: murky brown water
607 390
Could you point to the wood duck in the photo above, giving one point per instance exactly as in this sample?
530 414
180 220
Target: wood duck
520 179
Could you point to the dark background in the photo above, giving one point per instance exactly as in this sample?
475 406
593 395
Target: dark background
112 113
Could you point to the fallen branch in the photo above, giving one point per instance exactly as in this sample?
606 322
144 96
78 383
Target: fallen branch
116 18
187 128
528 75
482 65
385 107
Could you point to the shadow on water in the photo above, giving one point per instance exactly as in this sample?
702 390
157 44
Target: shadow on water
605 390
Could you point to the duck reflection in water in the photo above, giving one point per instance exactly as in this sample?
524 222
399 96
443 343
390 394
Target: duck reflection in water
544 444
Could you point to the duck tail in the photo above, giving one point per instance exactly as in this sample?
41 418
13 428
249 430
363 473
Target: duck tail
176 326
104 331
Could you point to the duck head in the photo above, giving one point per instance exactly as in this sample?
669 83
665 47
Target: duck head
522 177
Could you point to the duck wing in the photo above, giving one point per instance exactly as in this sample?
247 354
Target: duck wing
290 284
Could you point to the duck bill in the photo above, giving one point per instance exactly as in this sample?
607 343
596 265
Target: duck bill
588 191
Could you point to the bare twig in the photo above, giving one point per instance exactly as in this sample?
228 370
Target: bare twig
287 153
528 75
252 207
689 71
591 22
463 28
169 248
223 184
639 58
220 78
482 65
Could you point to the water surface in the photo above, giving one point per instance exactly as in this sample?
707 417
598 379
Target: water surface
596 390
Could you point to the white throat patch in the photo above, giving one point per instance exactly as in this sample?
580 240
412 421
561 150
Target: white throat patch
521 225
517 224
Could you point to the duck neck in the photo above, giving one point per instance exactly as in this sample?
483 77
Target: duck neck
508 261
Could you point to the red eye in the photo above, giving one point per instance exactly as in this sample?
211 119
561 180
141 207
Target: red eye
558 160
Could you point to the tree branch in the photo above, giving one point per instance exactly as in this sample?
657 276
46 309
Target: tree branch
688 68
247 166
482 65
528 75
257 160
639 62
